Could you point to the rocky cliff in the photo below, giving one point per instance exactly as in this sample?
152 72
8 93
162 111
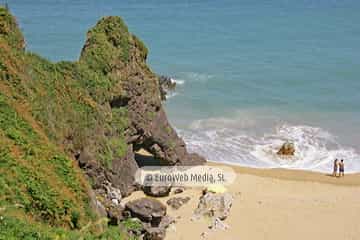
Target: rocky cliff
92 113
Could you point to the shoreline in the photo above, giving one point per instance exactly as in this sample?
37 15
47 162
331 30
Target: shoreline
351 179
277 204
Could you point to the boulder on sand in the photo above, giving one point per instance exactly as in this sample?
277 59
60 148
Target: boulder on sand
156 191
147 210
152 214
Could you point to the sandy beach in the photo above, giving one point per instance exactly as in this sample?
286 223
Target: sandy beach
277 204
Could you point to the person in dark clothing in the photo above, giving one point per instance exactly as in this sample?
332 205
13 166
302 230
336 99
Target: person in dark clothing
341 168
336 165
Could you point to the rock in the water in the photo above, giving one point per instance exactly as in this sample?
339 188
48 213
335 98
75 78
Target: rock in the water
287 149
157 191
177 202
166 84
147 210
214 205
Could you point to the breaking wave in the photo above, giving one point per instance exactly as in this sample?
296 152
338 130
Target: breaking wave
178 81
316 148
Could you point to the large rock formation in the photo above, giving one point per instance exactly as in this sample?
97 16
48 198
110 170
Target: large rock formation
114 52
98 110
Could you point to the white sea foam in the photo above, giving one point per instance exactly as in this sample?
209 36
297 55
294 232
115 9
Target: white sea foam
171 94
178 81
316 148
196 77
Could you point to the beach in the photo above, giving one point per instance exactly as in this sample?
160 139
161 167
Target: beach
276 204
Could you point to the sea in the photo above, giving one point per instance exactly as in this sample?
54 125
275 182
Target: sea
250 74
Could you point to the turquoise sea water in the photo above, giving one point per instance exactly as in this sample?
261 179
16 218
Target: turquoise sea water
251 73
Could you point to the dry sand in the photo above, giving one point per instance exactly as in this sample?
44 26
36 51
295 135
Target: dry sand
277 204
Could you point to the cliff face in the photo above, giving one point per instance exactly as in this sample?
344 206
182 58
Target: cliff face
97 110
114 53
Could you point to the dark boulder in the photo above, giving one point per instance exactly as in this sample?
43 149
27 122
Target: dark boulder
152 214
147 210
157 191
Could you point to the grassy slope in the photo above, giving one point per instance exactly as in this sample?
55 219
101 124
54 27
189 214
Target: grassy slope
48 110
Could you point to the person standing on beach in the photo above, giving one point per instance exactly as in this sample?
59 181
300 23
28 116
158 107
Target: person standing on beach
341 166
336 164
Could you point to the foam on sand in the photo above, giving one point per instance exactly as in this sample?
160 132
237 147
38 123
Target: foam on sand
316 148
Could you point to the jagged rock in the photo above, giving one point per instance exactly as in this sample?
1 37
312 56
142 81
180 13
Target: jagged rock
157 191
177 202
115 214
147 210
122 172
113 194
96 205
139 87
166 84
121 175
287 149
214 205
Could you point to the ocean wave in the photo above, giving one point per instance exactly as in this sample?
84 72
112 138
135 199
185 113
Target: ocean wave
316 148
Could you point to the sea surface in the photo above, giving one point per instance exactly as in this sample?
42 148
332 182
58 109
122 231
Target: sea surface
251 74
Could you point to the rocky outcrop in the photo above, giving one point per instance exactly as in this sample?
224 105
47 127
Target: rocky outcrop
166 84
135 92
287 149
134 88
120 175
152 215
98 110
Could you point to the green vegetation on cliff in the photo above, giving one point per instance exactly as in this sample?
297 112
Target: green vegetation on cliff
49 112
